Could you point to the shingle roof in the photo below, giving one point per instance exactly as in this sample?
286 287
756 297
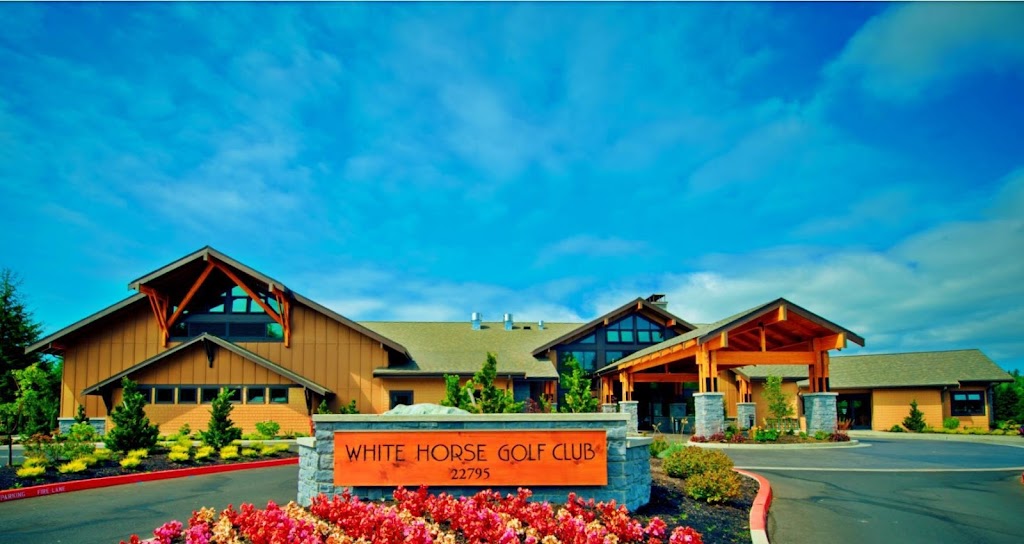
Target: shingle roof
919 369
710 330
455 348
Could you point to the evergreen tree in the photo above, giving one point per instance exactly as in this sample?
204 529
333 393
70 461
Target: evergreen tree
80 416
578 397
17 331
492 399
132 429
779 403
458 396
915 421
221 430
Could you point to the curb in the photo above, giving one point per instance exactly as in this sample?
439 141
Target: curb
95 483
759 510
804 446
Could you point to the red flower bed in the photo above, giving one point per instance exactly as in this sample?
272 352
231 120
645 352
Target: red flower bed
421 518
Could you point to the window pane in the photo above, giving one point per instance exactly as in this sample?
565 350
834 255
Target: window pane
642 323
256 395
657 336
186 395
209 393
589 340
959 396
237 291
240 305
643 336
627 336
612 356
164 395
236 394
279 395
974 396
612 336
272 302
218 309
147 394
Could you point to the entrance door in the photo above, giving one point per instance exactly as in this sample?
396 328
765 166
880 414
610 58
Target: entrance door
856 408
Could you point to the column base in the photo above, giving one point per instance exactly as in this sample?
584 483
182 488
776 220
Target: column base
709 414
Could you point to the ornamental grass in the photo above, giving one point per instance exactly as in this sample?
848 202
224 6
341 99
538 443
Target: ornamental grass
421 518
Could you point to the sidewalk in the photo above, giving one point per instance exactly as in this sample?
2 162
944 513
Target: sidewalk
1015 441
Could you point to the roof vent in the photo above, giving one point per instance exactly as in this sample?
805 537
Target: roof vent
658 300
508 322
475 319
540 325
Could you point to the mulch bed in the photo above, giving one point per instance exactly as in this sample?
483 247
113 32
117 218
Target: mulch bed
719 523
154 463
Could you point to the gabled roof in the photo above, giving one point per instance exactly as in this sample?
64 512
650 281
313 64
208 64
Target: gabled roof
203 254
219 342
919 369
44 345
708 332
582 330
438 348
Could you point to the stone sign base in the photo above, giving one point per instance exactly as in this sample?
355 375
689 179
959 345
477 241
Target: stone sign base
627 462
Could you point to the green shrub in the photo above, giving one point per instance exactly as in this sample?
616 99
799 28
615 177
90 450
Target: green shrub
766 435
102 454
130 462
950 423
349 408
178 456
672 449
82 432
132 429
822 435
268 429
897 429
140 453
658 445
221 431
281 448
35 462
185 431
714 486
203 452
33 471
693 460
915 420
89 460
250 452
73 467
229 452
267 451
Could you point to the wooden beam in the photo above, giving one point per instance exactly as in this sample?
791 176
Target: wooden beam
764 342
252 294
743 358
660 358
639 305
704 367
783 313
665 377
719 342
670 323
835 341
191 293
158 303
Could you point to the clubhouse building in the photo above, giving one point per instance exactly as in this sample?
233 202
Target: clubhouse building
207 322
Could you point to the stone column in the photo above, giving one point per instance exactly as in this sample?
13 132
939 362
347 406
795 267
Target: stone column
608 408
746 415
820 411
709 413
630 407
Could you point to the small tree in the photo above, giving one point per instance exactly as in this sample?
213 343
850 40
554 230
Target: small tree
80 416
458 396
323 408
780 405
221 431
349 408
915 421
1006 402
578 396
492 399
132 429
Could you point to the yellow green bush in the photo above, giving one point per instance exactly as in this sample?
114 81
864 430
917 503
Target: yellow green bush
140 453
229 452
267 451
35 462
250 452
103 454
658 445
692 460
281 448
31 471
179 456
130 462
203 452
713 486
89 460
72 467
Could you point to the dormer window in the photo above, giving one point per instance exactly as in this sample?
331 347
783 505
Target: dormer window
231 315
634 330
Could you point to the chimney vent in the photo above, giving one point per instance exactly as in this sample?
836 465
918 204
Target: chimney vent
475 319
540 325
508 322
658 300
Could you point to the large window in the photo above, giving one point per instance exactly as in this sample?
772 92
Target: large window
634 330
401 397
231 314
586 359
967 403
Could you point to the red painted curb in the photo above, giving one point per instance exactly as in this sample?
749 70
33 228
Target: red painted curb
763 500
94 483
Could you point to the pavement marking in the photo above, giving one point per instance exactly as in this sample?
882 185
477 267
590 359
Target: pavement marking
838 469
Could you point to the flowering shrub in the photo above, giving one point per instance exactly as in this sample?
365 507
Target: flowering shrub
698 438
418 517
839 436
717 437
718 485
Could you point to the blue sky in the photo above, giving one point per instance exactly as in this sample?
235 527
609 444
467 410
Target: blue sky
423 161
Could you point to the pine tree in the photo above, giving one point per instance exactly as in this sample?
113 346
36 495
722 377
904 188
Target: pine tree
221 430
80 416
578 397
492 399
17 331
779 405
915 421
132 429
458 396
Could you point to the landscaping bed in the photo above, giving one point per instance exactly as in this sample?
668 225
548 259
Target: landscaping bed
154 462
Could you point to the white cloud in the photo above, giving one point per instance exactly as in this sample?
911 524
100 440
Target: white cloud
916 48
593 246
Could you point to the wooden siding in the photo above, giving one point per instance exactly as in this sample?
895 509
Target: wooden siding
890 406
322 350
761 405
727 385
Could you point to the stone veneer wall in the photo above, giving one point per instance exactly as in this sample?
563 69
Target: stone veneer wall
629 470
